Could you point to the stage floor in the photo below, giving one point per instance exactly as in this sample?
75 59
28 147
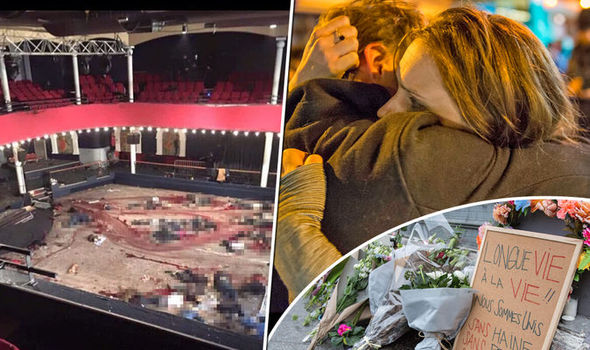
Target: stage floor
164 250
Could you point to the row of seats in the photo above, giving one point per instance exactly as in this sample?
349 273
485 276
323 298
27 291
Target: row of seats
101 89
226 92
241 87
26 91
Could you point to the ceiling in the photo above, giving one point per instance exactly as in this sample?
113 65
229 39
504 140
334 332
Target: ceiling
69 23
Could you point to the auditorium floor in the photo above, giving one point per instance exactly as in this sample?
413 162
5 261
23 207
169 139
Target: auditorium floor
162 249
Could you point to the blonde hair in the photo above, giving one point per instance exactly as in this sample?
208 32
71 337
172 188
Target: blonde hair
503 79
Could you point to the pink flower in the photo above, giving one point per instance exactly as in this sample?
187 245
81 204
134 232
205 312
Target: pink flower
501 212
343 329
566 207
586 234
546 206
480 233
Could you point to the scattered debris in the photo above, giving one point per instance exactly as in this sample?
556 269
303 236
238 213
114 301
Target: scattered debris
97 239
73 270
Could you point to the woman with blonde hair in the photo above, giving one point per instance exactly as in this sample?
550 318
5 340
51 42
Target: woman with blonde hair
481 112
501 82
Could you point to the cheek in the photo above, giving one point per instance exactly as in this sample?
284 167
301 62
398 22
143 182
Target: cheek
398 103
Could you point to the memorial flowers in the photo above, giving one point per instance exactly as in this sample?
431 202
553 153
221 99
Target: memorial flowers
575 215
346 335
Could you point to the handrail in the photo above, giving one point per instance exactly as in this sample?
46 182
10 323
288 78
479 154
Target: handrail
200 167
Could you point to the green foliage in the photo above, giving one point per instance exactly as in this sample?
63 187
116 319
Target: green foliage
438 279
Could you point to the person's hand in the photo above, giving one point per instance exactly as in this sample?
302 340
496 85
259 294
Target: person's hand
294 158
329 53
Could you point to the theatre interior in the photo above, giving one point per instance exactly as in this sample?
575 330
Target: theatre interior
138 164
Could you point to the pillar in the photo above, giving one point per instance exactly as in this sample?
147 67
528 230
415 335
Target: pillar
266 158
132 157
130 72
76 79
4 81
277 73
75 144
20 174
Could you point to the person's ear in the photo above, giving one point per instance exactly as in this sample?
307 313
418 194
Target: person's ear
375 55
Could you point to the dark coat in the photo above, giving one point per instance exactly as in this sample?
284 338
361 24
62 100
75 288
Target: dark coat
383 172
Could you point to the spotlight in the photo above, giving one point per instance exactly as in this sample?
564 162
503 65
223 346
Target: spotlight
141 128
87 130
37 138
45 136
203 131
158 129
1 148
63 134
106 128
29 139
585 4
97 129
257 133
222 132
115 128
124 128
184 28
22 142
175 130
194 131
166 130
150 128
213 132
246 133
183 131
236 133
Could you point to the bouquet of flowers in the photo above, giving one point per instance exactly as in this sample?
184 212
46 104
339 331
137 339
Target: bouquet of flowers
433 264
325 305
437 302
575 215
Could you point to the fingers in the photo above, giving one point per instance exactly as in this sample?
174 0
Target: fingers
294 158
313 158
330 27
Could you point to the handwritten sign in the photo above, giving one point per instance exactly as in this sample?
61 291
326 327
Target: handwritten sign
522 281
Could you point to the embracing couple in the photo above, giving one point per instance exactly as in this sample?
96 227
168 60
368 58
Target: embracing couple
409 118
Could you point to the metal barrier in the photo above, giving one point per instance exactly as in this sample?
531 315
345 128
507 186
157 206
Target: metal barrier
79 173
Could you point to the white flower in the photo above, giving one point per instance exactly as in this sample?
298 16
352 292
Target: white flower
459 274
435 274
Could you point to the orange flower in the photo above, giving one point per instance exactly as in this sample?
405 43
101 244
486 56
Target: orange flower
547 206
582 211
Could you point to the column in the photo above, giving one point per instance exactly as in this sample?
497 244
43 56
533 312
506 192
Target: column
76 79
4 81
130 72
117 139
159 141
277 73
266 159
75 144
20 174
132 157
182 143
54 144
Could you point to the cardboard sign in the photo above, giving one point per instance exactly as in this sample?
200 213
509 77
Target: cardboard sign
522 281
